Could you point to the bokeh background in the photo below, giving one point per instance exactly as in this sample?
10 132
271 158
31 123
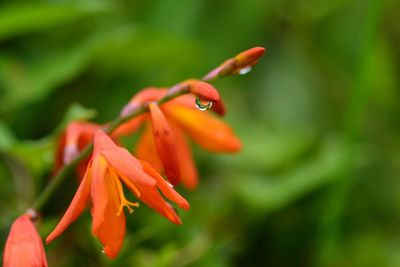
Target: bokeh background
318 180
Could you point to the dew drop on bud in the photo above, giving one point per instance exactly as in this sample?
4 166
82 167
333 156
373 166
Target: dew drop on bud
244 70
102 251
203 105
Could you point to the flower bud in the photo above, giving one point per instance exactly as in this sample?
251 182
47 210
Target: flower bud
24 247
249 57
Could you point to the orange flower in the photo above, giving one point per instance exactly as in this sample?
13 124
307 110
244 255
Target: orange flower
24 246
163 143
76 136
109 167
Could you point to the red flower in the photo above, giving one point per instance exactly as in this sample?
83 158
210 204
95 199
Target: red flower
163 143
109 167
24 247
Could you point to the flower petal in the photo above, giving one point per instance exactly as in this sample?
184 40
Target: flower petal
127 165
120 159
98 190
77 136
75 208
146 149
204 90
165 188
165 144
143 96
152 198
129 127
206 130
108 224
187 166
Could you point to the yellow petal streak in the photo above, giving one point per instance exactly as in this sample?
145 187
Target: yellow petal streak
118 193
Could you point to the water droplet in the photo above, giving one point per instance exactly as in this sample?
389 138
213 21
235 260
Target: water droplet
203 105
244 70
102 251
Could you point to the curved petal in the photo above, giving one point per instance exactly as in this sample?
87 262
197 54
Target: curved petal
129 127
108 224
120 159
101 142
78 135
149 94
165 188
98 190
187 166
165 144
203 90
143 96
146 149
208 131
75 208
154 200
128 166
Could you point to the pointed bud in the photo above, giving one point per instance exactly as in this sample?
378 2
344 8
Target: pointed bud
231 66
203 90
249 57
24 247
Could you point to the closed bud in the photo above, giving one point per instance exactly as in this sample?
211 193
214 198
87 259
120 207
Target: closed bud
249 57
203 90
24 247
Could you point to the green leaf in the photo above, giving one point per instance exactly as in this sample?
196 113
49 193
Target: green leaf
76 112
20 19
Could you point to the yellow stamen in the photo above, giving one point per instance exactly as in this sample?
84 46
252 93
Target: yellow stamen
122 201
131 186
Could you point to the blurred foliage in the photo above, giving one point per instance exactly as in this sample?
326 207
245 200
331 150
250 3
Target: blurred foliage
318 179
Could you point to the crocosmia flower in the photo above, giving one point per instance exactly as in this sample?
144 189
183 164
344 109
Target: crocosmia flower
24 247
109 168
76 136
164 140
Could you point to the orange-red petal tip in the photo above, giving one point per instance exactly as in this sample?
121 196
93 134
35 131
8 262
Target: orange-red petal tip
219 107
249 57
204 90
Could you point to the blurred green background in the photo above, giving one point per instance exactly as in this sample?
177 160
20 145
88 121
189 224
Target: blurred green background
318 180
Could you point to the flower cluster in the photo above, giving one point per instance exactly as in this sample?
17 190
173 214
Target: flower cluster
169 118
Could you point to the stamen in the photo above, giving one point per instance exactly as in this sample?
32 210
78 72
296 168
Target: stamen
123 202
